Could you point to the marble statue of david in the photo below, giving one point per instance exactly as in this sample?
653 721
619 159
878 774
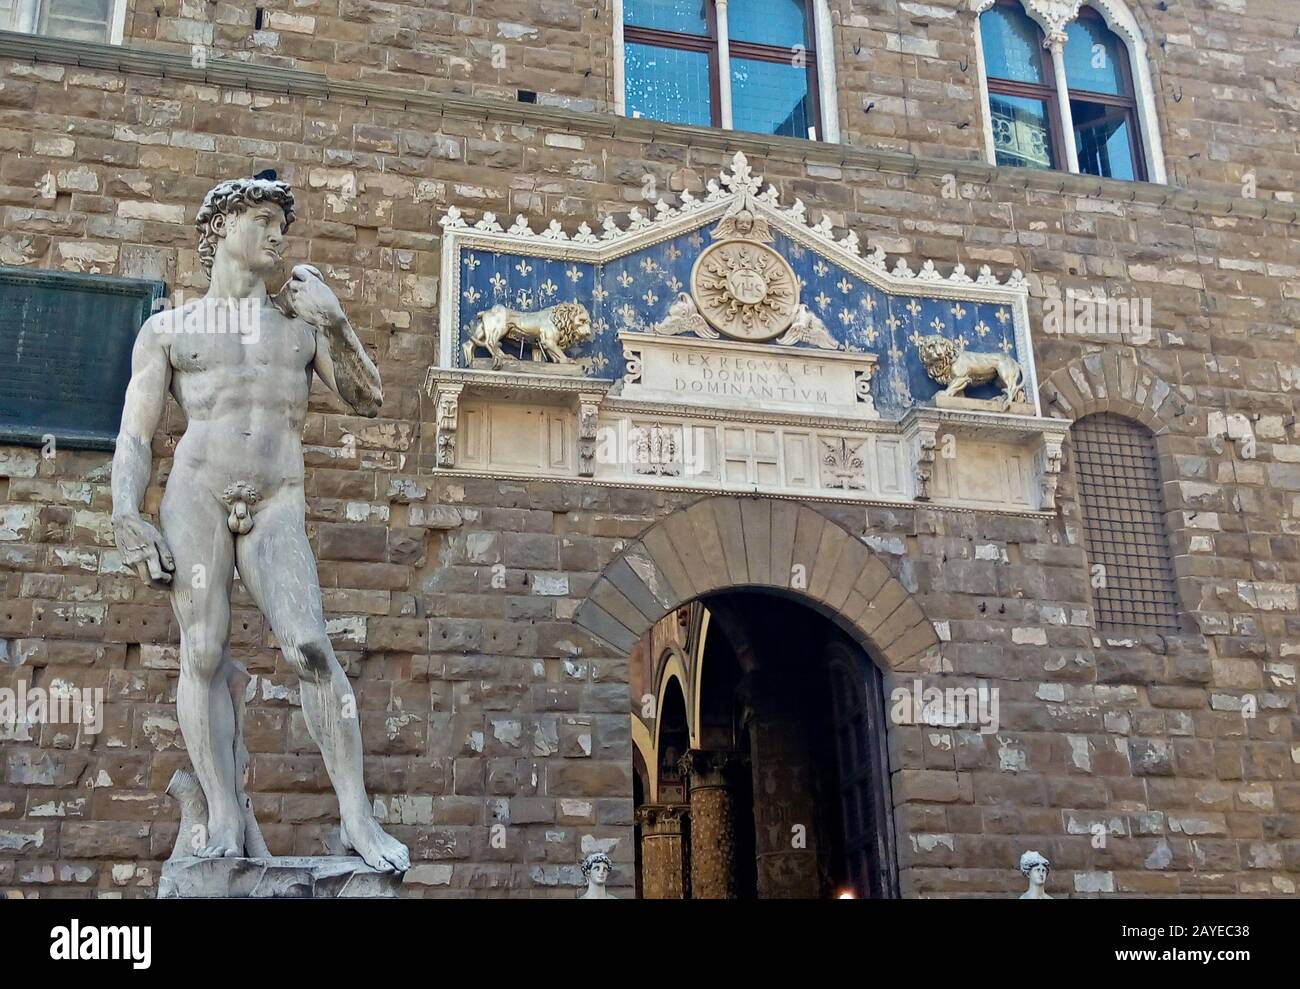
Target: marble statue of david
234 497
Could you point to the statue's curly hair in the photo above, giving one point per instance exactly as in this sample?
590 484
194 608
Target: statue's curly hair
232 197
1031 859
590 861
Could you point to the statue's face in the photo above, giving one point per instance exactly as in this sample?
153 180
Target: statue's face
1038 875
253 237
599 873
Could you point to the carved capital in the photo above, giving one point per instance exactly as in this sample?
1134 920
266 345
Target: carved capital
703 769
1049 472
662 819
926 441
588 419
1053 16
447 418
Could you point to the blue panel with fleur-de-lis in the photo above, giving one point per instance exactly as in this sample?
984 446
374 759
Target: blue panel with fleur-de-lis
634 292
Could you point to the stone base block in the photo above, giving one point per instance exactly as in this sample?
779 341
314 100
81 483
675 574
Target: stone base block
528 367
942 401
290 876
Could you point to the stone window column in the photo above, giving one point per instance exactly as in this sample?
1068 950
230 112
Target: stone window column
663 852
710 779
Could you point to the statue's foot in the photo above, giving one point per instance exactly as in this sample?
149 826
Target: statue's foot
379 849
224 841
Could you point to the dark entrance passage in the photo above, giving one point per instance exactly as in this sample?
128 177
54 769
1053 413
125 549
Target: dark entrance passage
771 776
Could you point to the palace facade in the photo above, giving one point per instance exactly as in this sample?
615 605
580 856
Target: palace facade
899 471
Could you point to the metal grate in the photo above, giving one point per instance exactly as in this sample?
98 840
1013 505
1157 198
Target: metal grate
1123 524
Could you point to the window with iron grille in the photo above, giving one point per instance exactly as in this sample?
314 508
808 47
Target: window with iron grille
1124 524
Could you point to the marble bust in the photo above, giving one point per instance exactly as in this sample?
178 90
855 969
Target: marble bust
596 868
1035 867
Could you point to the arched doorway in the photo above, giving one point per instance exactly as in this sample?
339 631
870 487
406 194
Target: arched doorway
772 770
777 626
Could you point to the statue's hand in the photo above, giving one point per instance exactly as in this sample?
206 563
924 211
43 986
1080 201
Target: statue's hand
312 299
143 547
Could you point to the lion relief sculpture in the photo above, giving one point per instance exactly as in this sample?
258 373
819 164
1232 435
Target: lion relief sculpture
550 332
958 369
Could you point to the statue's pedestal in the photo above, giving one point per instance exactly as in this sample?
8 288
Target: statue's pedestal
943 401
320 877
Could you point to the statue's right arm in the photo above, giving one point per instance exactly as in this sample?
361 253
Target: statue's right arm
140 543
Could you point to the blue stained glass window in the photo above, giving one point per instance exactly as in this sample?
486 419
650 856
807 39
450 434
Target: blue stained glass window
1092 57
682 16
768 22
770 97
669 84
1012 45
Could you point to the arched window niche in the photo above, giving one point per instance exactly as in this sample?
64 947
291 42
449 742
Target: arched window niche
1066 85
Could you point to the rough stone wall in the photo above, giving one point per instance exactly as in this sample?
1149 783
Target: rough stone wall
1224 71
483 705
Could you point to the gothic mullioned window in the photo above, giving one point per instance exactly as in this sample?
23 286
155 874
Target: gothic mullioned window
1124 524
746 65
76 20
1071 93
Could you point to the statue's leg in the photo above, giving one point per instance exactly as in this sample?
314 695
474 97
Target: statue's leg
277 567
194 524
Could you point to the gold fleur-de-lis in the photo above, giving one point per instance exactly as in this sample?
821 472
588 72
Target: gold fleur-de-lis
628 314
961 342
958 311
548 288
895 353
915 337
650 298
673 253
936 324
1006 346
574 274
871 333
472 295
821 268
982 328
914 308
1002 316
675 284
893 322
649 266
498 282
822 300
524 268
600 293
696 240
471 261
624 279
844 285
869 303
846 317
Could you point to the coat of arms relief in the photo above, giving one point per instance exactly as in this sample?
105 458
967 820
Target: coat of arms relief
726 342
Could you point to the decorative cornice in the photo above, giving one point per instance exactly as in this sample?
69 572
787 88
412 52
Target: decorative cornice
233 74
665 220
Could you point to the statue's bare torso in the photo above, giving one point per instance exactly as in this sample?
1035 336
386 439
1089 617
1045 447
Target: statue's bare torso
245 401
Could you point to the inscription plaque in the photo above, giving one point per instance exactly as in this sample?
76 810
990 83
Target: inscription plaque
65 353
736 375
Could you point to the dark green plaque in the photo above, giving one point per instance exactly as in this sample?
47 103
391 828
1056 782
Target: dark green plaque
65 353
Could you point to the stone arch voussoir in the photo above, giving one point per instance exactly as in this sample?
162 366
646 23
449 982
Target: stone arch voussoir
1112 380
723 543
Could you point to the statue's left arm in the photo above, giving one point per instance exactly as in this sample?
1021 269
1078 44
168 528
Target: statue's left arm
341 361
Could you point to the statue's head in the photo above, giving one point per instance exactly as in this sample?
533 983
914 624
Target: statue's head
1035 867
245 218
596 868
